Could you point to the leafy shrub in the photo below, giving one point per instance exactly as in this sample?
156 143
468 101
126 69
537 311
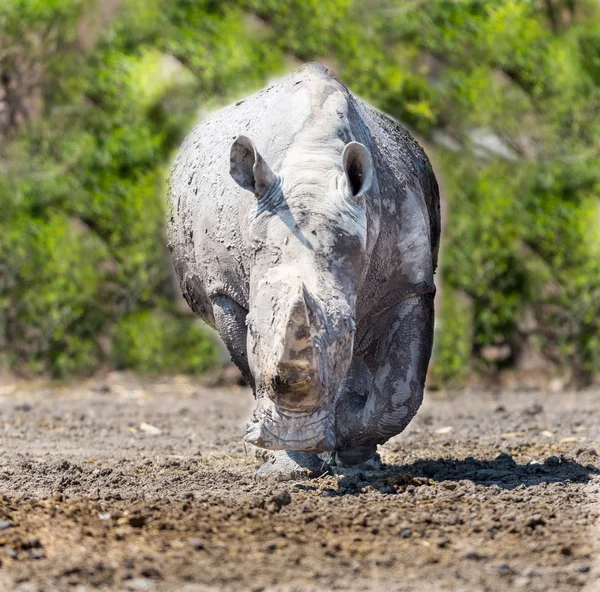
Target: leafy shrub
82 183
506 94
453 341
152 342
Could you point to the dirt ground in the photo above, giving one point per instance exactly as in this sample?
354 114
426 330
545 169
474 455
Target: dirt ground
124 483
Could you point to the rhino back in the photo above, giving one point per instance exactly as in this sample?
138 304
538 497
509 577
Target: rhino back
207 210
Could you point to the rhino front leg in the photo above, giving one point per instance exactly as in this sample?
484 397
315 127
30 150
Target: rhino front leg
230 322
384 387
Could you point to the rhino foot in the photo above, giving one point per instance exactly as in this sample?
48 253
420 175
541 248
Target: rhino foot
357 459
292 465
364 458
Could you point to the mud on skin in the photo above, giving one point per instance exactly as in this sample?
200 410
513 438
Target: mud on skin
304 226
481 492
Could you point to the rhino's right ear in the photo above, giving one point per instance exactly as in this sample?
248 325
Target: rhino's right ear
248 168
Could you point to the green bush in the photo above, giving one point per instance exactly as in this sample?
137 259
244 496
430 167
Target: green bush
82 183
453 341
506 95
152 342
51 306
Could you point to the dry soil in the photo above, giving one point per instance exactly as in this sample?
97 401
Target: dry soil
125 483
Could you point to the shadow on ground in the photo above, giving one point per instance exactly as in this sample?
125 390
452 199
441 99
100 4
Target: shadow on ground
502 472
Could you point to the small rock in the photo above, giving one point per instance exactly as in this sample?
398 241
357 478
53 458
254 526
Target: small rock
569 440
282 498
505 570
506 435
34 544
277 501
591 451
546 434
583 569
150 429
443 542
552 461
151 571
271 546
530 572
445 430
406 533
535 520
500 409
197 544
533 410
139 585
104 516
36 553
4 524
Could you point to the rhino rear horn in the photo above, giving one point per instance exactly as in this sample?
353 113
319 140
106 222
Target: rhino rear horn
249 169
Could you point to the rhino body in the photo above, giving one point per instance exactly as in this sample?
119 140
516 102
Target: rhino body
304 227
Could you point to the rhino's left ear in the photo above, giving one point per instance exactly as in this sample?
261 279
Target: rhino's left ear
248 168
358 166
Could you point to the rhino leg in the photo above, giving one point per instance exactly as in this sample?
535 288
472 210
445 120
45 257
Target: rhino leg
384 387
230 322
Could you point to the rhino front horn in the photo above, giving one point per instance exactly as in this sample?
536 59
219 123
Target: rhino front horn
249 169
296 373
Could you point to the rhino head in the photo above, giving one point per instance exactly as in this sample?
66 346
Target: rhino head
307 233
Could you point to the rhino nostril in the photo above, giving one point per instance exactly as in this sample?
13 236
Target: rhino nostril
280 384
286 384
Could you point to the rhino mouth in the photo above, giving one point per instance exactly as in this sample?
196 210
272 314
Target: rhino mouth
275 428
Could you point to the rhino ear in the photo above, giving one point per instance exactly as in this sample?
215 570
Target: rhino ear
248 168
358 166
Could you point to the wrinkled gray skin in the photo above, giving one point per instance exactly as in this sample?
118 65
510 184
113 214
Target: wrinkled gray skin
304 226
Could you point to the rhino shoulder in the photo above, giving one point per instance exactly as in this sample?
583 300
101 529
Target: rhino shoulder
399 147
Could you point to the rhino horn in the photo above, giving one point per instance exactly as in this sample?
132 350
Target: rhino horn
296 372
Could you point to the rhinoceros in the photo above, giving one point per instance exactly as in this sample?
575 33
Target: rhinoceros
304 227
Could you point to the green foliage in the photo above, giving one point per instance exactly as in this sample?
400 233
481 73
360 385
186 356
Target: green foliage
453 339
505 94
82 184
158 343
51 279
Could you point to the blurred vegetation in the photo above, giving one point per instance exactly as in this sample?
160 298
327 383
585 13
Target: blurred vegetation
96 96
